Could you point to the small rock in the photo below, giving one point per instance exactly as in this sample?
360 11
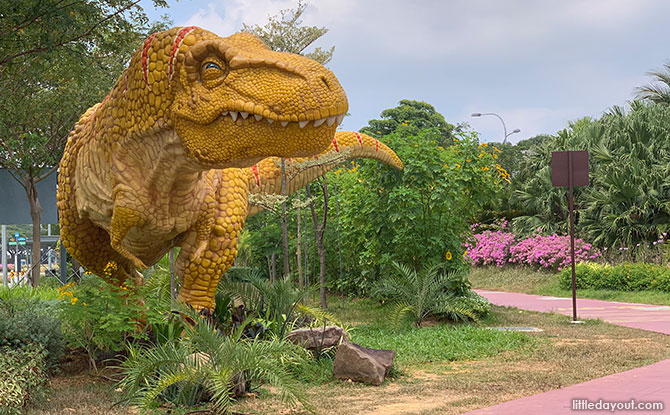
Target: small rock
318 338
361 364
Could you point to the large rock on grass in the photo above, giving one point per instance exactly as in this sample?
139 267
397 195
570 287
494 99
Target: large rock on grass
318 338
361 364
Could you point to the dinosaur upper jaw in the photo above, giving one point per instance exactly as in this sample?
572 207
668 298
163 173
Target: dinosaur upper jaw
240 138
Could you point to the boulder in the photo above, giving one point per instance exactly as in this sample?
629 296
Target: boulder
318 337
361 364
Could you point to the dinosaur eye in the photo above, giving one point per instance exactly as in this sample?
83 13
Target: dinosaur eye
212 65
212 72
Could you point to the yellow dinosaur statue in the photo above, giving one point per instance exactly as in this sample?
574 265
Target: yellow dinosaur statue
188 131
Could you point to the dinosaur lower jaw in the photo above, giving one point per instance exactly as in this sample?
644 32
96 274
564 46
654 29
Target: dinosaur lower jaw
239 139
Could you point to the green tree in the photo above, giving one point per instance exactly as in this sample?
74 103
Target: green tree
57 58
284 33
417 115
658 91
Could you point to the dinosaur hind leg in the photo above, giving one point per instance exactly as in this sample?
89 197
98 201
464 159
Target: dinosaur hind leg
200 270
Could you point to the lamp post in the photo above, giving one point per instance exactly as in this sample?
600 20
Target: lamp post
516 130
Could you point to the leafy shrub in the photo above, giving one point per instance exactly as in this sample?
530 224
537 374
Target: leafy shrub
624 277
23 377
21 326
99 316
474 303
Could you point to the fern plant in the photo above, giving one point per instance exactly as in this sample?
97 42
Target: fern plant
203 366
275 303
423 294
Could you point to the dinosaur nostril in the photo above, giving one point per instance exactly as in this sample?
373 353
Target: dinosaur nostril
325 82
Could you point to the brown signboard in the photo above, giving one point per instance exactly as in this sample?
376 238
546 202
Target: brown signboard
561 164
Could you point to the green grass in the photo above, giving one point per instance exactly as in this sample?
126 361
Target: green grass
441 343
370 327
529 281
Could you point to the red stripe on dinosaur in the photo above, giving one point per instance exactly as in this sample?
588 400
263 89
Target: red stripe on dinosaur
181 35
145 59
337 148
360 140
254 168
376 145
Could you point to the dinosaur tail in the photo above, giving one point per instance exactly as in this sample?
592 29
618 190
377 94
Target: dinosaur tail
265 177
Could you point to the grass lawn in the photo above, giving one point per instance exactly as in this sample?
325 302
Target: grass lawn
438 370
529 281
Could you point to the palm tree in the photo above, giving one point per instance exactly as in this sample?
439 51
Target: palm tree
658 91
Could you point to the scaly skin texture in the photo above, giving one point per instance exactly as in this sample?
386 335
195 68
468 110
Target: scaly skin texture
164 160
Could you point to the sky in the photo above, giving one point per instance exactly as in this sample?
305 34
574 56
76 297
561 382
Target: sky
537 64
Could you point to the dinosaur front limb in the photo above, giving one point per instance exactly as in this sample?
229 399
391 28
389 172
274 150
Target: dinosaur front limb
123 219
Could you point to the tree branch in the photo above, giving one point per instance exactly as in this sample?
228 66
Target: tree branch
75 38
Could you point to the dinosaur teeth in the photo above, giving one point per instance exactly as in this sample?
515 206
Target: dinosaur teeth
339 119
331 120
302 124
258 117
233 115
244 115
224 113
284 123
319 122
270 121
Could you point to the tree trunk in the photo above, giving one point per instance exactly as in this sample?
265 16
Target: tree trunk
273 275
284 223
35 215
319 229
301 283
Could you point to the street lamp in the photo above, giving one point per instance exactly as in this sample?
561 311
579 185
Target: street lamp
516 130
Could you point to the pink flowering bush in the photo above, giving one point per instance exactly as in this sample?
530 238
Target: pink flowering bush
552 251
490 248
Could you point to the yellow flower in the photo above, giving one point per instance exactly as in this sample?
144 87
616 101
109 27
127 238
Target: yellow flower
445 165
456 139
448 256
483 145
465 253
458 165
74 300
495 156
496 149
84 304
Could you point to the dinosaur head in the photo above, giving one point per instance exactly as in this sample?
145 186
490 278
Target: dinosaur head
232 100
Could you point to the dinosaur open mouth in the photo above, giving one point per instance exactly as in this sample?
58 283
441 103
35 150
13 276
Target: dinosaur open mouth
242 115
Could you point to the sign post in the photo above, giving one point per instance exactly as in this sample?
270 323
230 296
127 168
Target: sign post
4 255
570 169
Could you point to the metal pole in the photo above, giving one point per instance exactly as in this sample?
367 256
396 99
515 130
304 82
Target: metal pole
63 263
5 278
173 281
339 244
571 208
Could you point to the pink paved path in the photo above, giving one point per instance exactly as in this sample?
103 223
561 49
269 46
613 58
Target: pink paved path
646 384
